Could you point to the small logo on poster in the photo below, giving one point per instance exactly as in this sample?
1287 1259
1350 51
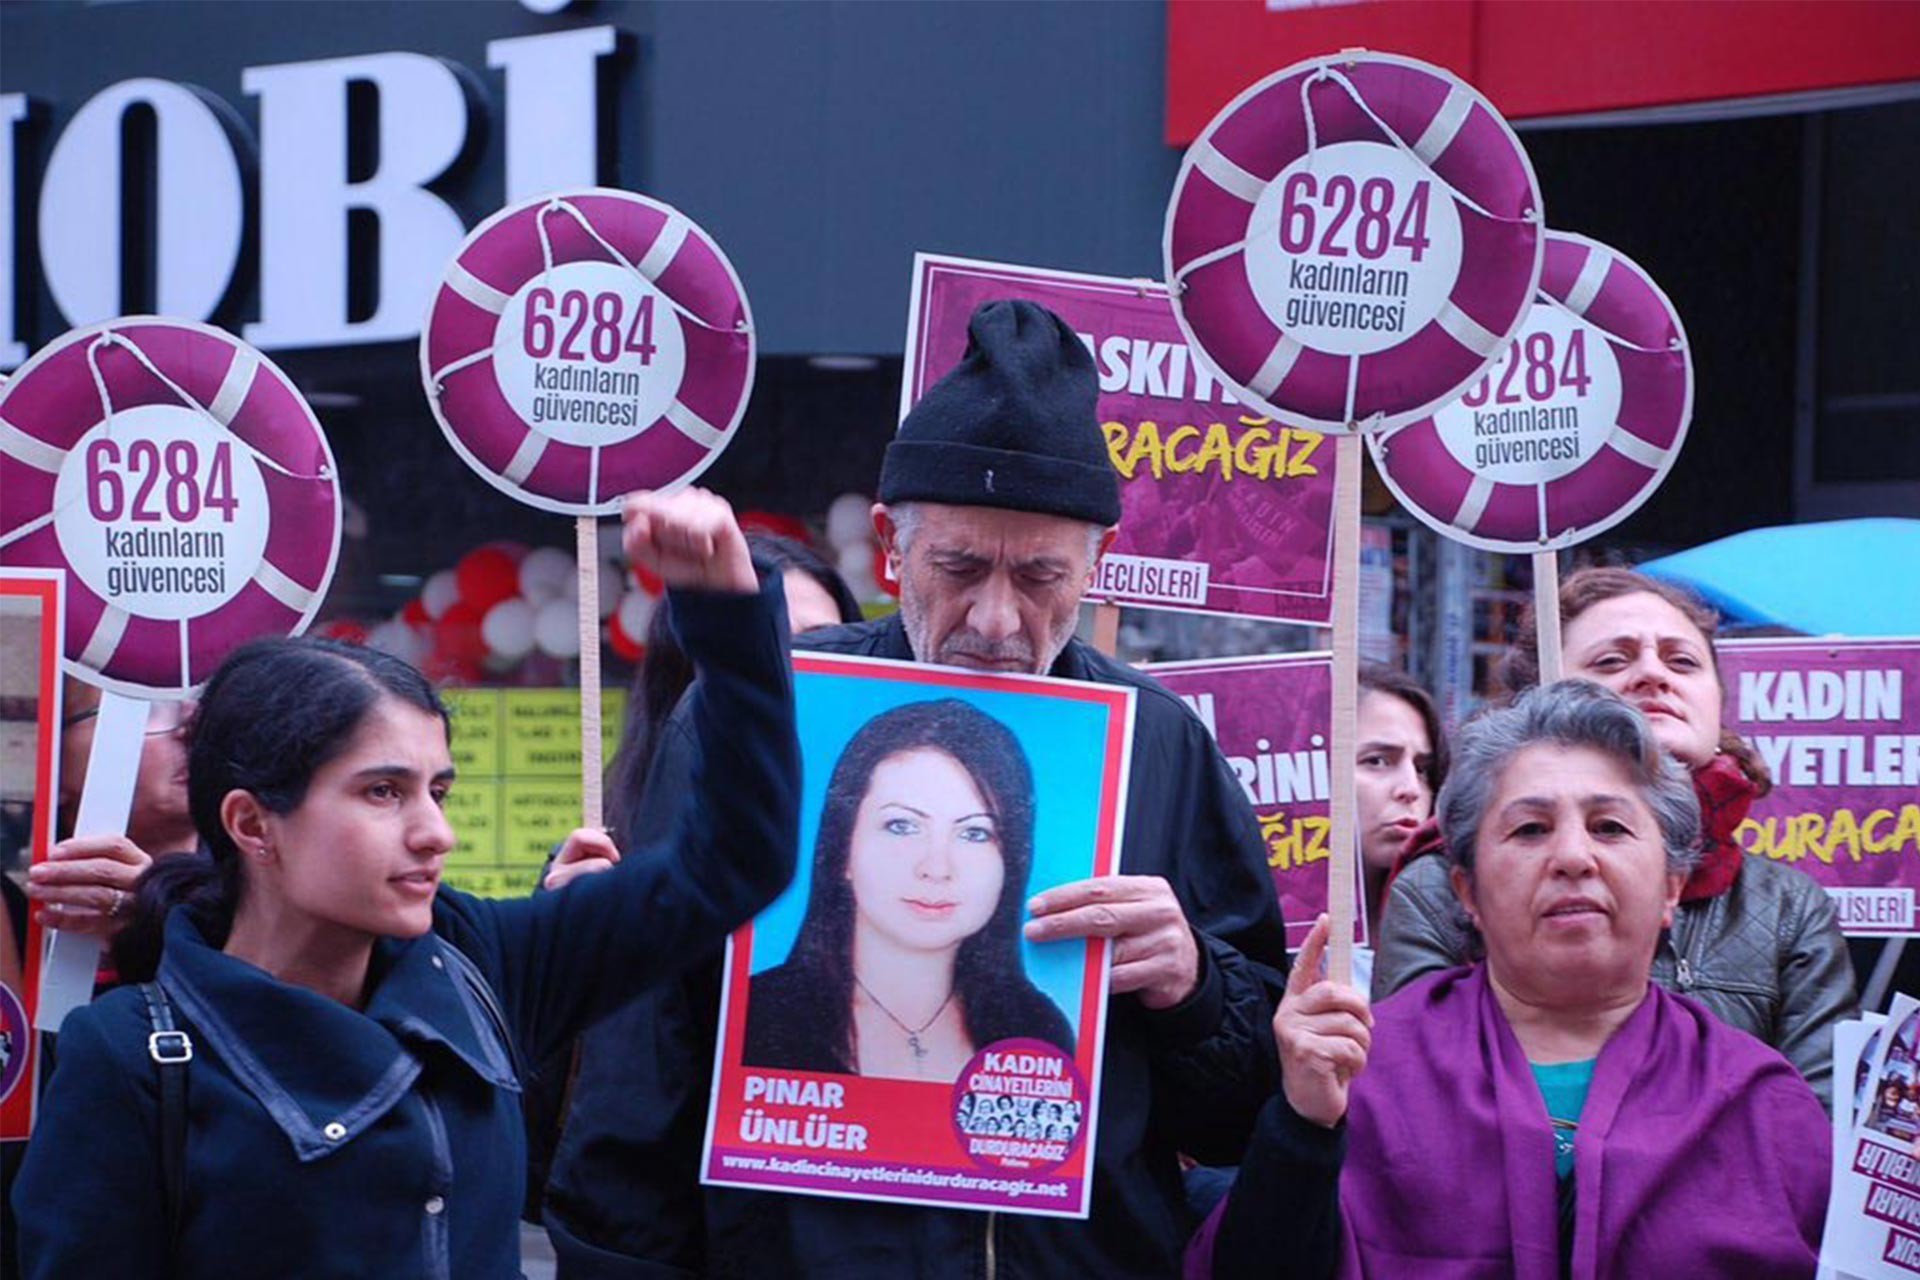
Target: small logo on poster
14 1042
1020 1104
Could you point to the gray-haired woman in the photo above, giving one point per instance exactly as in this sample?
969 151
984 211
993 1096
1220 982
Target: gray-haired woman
1756 942
1621 1131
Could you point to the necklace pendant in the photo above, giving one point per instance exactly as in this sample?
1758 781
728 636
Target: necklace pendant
919 1050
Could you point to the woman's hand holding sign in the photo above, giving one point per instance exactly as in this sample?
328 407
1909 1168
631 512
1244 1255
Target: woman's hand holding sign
1154 952
690 539
86 884
1324 1030
586 852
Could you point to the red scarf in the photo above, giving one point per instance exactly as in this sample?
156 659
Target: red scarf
1725 795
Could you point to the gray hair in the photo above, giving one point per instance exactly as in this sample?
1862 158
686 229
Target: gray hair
1571 713
906 523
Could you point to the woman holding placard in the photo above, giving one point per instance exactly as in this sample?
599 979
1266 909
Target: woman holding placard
1616 1132
346 1030
1756 942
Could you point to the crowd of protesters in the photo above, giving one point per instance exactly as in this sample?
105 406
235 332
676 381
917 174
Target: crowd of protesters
1601 1043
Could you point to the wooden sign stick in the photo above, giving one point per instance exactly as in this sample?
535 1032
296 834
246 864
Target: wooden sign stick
1106 628
587 552
1546 614
1346 703
106 804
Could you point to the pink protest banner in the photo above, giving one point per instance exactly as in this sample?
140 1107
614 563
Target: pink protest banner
1222 510
1269 716
887 1032
1838 723
30 628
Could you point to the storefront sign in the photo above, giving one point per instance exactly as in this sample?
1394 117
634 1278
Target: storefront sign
1538 61
204 152
1353 240
936 804
1571 430
1838 723
1222 511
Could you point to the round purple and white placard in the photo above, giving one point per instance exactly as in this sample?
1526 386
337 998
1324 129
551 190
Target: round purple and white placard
1572 428
181 482
1352 240
586 344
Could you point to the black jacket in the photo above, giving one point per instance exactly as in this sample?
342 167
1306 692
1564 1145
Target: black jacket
624 1199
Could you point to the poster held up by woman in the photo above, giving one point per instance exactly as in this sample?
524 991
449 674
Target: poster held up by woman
888 1032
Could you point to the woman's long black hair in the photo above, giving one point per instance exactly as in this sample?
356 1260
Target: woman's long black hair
274 713
665 673
996 998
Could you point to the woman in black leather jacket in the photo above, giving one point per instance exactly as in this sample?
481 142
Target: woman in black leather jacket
1757 943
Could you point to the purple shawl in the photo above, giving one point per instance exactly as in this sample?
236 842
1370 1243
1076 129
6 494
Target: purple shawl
1700 1152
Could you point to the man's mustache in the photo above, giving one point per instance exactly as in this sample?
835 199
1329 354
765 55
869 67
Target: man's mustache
969 644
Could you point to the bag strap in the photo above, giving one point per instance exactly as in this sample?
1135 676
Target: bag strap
171 1049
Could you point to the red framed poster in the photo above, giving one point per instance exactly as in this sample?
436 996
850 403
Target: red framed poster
888 1032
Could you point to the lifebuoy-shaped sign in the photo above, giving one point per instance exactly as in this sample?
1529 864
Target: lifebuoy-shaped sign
182 483
587 344
1352 240
1571 430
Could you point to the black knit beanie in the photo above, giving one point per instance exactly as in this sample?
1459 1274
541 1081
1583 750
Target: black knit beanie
1013 426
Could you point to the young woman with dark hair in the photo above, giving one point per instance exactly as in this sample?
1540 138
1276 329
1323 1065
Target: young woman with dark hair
351 1102
908 959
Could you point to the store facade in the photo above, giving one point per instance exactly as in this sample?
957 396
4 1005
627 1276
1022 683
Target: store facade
299 173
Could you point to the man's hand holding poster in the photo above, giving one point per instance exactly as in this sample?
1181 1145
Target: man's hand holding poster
888 1030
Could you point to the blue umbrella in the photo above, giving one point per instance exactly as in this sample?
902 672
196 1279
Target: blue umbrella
1844 577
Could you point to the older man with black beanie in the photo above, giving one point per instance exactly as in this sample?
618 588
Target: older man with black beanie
996 502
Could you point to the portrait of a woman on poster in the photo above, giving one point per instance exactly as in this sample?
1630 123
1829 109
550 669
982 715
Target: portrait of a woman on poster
908 959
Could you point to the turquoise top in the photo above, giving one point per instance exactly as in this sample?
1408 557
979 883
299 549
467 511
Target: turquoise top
1564 1086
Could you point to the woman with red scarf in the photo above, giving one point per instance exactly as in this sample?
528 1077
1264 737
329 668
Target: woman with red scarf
1755 942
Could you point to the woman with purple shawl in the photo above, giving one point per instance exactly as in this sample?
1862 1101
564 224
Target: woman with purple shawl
1548 1112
